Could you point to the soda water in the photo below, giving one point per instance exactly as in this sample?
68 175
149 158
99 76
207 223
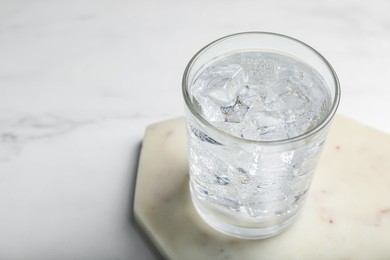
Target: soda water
259 98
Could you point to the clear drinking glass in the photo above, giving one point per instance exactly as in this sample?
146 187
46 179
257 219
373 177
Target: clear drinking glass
247 186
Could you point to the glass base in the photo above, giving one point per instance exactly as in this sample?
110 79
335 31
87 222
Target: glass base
264 231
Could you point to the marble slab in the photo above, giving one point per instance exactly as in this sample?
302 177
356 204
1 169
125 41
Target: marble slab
347 215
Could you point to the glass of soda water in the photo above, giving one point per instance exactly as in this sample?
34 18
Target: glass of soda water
258 108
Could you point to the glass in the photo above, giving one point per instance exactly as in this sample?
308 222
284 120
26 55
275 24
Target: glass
247 186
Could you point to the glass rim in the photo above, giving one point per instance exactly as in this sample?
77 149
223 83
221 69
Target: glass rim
305 135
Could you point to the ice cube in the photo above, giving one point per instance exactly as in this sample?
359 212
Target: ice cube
308 78
264 125
216 90
227 127
296 76
295 99
203 136
266 119
209 109
236 112
250 94
223 91
224 83
289 79
222 179
221 83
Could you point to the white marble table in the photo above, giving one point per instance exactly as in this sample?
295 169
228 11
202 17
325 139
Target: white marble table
80 81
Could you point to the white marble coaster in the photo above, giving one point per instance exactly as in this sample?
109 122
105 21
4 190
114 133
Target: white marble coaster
347 215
